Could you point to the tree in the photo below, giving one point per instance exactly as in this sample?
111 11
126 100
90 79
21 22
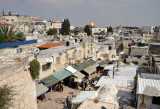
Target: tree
87 30
6 97
34 68
52 31
8 35
65 27
110 30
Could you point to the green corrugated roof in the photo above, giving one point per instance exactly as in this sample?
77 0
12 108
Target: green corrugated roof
91 62
50 80
103 63
84 65
78 68
62 74
40 89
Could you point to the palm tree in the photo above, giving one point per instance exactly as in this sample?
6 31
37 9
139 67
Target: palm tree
6 33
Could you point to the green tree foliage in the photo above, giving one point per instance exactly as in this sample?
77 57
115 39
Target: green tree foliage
52 31
8 35
87 30
110 30
65 27
34 68
6 97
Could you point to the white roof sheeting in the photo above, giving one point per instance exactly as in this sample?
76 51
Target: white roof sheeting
144 82
71 69
84 95
108 67
122 78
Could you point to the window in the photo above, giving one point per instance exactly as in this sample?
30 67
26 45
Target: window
88 51
12 20
156 100
46 66
7 19
58 60
79 52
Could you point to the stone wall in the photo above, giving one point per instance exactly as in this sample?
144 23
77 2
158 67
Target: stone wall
75 55
24 87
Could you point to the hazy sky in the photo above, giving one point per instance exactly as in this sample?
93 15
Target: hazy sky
81 12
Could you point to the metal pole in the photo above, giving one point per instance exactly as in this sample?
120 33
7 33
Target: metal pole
113 71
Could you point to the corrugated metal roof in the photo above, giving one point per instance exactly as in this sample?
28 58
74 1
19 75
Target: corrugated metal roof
79 75
90 70
150 76
50 80
84 65
91 62
71 69
62 74
78 68
84 95
143 83
40 89
104 63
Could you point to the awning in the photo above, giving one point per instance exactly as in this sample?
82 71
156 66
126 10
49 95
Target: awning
62 74
91 62
90 69
104 63
78 68
77 80
71 69
50 80
84 65
79 75
40 89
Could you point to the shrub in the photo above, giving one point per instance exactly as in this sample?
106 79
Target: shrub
34 68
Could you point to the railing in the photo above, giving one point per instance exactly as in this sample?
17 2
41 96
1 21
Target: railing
15 44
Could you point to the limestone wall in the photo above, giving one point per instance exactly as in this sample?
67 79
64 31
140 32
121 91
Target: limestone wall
74 55
24 86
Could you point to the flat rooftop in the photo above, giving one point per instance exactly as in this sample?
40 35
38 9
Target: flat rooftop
124 77
49 52
89 104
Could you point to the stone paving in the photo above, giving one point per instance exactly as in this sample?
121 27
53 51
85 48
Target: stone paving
56 100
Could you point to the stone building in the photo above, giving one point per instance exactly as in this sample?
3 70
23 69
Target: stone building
14 72
139 50
56 58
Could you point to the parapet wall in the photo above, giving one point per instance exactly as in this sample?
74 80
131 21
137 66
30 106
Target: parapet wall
24 87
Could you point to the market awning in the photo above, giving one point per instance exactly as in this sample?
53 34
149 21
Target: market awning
84 65
91 62
104 63
78 68
50 80
79 75
62 74
90 70
40 89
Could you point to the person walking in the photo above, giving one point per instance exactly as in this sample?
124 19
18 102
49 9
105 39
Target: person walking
67 100
70 103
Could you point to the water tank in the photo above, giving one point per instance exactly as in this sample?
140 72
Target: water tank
67 43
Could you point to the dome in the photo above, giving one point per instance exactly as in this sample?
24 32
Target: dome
91 24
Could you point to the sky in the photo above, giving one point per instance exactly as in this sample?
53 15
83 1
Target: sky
103 13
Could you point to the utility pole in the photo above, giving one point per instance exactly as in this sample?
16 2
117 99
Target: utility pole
117 65
113 72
